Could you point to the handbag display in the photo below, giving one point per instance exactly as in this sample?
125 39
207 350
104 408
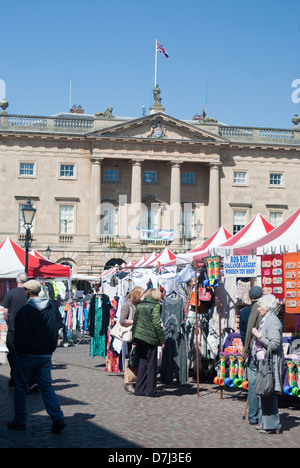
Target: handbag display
122 333
265 381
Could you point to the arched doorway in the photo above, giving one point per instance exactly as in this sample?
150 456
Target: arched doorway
112 262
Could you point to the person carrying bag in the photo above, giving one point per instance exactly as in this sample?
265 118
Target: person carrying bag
267 353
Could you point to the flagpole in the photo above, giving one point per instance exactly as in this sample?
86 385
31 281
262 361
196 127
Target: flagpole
155 74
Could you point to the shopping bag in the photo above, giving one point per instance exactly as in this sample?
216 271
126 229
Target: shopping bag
130 373
265 381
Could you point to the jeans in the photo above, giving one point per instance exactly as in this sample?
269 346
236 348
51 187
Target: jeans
12 354
39 366
253 402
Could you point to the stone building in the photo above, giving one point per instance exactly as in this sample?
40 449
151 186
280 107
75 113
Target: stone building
109 189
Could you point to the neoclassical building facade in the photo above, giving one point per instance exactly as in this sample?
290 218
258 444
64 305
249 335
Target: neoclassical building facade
108 189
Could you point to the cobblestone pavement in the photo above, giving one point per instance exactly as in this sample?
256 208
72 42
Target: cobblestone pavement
100 414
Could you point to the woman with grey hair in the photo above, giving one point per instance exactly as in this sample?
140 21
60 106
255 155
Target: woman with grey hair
269 334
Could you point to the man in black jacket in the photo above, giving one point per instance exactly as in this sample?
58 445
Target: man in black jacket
36 334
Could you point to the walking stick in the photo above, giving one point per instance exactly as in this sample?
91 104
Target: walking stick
244 417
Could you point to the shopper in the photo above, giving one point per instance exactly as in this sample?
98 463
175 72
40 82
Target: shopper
255 293
126 318
148 334
36 334
249 318
268 334
13 300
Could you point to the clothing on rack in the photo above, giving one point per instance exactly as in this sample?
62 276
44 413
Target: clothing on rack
112 357
98 324
174 358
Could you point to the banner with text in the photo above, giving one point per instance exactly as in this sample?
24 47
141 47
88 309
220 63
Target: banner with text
242 266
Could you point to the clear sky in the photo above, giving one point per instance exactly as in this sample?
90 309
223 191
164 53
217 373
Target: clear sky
236 58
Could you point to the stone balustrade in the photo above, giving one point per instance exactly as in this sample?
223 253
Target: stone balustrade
82 124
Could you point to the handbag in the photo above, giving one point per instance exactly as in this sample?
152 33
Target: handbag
134 358
204 295
122 333
265 381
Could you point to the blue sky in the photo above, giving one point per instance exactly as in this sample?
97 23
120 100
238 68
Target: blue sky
244 56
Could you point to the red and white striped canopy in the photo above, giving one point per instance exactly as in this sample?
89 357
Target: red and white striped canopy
12 262
284 238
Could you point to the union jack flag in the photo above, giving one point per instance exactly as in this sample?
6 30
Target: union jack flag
161 49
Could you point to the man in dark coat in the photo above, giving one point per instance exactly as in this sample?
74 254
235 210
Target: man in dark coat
36 333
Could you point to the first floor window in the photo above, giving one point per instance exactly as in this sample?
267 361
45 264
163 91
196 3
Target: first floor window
66 219
150 218
276 218
239 221
110 222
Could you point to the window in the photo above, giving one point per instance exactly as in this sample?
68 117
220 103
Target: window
66 219
111 175
240 178
150 217
26 169
188 178
275 179
239 221
150 177
109 222
67 170
275 218
188 218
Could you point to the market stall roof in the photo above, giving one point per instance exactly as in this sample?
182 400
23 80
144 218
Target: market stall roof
165 257
149 260
257 228
12 261
139 262
284 238
218 238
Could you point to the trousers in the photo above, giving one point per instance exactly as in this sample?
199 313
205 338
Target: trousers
253 402
28 366
147 372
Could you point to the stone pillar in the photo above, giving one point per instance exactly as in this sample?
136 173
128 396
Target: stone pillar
136 201
95 199
175 200
214 198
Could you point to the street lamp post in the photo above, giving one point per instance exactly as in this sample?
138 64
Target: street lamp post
28 213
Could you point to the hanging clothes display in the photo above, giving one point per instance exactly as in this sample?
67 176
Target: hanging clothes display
174 358
112 357
98 327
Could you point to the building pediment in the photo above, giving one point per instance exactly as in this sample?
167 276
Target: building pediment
158 127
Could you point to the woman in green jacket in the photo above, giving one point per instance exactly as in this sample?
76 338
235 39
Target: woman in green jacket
148 334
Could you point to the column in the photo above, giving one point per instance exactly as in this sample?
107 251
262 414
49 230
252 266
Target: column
95 199
214 198
175 200
136 201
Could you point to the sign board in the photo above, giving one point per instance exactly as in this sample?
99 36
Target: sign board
242 266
